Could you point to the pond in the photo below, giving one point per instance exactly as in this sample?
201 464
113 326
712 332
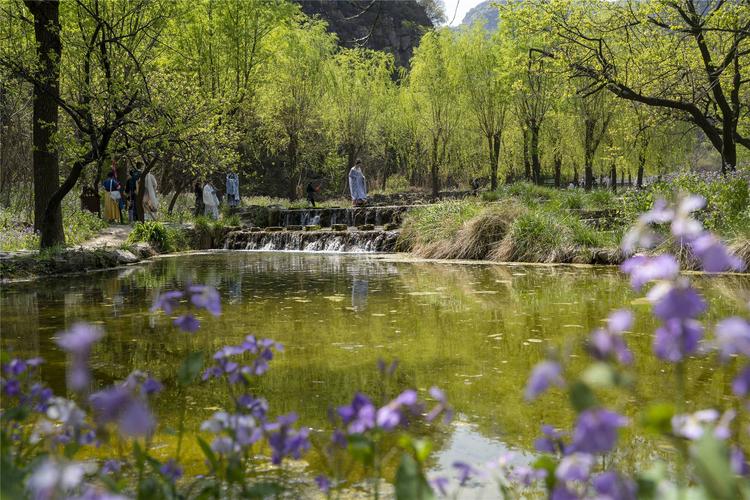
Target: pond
473 330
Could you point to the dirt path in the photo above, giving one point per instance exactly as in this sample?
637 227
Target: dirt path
112 236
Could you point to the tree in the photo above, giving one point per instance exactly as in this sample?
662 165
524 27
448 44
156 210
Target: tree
46 82
358 83
594 114
487 84
687 56
292 94
433 82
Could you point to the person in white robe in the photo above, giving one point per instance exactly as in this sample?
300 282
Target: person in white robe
150 198
210 201
357 184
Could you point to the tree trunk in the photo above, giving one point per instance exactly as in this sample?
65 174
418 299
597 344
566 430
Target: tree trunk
575 176
47 220
177 192
558 169
526 161
291 155
641 167
493 141
435 170
613 177
588 175
536 166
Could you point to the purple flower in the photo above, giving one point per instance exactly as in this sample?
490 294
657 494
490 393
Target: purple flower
741 383
391 415
683 225
561 492
359 416
738 462
596 431
691 426
117 404
527 475
257 407
575 467
465 472
643 269
187 323
339 439
171 470
151 386
608 343
680 301
544 375
111 467
77 342
714 256
387 370
677 338
551 442
286 441
440 483
205 297
11 387
167 301
611 486
733 337
323 483
441 407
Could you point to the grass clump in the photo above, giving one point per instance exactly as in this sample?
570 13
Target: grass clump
158 235
457 229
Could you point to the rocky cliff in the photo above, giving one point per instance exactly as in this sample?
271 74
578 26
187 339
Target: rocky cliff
393 26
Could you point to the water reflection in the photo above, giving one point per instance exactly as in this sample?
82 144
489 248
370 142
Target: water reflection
474 330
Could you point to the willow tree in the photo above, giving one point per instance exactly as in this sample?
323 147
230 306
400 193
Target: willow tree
691 57
434 83
292 93
486 82
595 113
359 80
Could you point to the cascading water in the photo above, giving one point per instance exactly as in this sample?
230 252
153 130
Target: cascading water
313 241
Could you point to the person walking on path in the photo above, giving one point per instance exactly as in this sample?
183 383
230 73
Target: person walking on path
311 190
357 184
211 201
112 198
131 191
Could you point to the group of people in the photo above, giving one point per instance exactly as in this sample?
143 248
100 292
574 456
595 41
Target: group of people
207 197
123 197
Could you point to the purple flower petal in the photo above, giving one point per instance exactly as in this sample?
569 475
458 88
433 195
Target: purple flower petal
714 256
676 339
167 301
206 297
643 269
733 337
187 323
741 383
544 375
596 431
611 486
575 467
680 302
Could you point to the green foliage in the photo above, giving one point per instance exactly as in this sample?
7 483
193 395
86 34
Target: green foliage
158 235
438 222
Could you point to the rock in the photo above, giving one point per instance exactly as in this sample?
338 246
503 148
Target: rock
339 227
274 229
253 229
294 227
143 250
125 256
313 227
390 227
366 227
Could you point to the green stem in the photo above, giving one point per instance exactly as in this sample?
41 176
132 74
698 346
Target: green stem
181 428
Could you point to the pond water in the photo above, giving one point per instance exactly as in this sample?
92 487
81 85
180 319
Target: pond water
473 330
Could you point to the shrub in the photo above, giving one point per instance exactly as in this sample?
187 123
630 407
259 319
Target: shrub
437 222
601 198
572 199
158 235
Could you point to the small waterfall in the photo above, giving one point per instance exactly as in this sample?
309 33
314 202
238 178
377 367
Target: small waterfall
313 241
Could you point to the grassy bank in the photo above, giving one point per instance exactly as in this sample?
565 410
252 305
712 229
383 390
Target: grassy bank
528 223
